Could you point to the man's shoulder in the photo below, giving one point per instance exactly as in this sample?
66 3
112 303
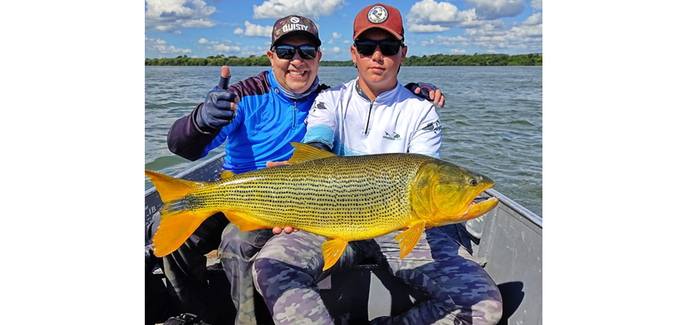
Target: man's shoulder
256 85
407 99
332 91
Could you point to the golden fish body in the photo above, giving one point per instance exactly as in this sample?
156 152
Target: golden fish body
341 198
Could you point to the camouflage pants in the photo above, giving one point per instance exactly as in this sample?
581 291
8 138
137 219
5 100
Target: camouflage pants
236 252
185 268
288 268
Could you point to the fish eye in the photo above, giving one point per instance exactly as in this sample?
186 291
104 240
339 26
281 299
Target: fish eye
473 182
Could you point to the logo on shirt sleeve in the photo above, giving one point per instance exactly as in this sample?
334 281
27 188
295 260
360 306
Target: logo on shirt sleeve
434 126
318 105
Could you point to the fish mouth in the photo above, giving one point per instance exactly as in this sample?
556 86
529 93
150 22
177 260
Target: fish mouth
480 206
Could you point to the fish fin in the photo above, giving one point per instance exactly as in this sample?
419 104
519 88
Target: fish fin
305 152
174 228
408 239
243 221
332 250
169 188
226 174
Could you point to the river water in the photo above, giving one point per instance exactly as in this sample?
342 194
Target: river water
492 119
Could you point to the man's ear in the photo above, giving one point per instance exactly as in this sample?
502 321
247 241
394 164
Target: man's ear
355 54
270 56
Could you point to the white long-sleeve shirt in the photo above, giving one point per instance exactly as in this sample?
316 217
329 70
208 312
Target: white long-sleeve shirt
347 121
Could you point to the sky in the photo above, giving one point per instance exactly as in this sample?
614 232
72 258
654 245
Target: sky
201 28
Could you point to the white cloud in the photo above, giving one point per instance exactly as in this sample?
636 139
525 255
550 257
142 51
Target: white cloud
170 15
239 31
336 49
523 37
336 35
427 28
308 8
429 16
346 41
160 46
256 30
458 51
533 20
536 4
431 11
226 48
218 47
445 41
495 9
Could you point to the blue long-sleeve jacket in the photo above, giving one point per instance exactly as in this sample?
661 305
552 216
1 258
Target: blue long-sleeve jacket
266 122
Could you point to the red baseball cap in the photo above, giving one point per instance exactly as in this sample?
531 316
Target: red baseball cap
379 16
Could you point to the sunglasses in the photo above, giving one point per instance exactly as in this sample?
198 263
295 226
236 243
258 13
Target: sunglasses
387 47
287 52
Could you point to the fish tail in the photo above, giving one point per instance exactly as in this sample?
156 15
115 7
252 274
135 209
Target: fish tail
169 188
176 224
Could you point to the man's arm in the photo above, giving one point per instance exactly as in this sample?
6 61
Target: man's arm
321 123
187 140
189 136
428 136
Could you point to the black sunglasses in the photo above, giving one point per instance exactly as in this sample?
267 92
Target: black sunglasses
387 47
287 52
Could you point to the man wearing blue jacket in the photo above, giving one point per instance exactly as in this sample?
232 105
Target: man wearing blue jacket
257 118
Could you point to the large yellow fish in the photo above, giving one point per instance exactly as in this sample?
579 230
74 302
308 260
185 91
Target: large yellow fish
343 198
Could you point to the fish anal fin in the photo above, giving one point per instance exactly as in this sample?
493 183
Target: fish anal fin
226 174
332 250
305 152
243 221
175 228
407 240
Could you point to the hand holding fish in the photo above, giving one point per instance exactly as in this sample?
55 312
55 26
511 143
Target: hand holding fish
271 164
287 229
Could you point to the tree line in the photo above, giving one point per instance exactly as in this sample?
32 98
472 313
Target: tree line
532 59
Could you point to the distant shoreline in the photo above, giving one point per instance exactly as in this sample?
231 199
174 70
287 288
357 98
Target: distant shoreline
532 59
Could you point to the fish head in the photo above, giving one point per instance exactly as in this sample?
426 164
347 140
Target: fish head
445 194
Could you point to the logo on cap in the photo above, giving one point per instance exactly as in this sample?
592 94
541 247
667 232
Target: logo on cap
295 20
377 14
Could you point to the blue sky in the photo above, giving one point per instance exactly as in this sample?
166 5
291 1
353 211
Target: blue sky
200 28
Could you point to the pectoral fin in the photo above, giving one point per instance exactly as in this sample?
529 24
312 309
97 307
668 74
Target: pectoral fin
332 250
408 239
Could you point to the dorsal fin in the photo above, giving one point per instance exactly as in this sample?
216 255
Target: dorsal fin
304 152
